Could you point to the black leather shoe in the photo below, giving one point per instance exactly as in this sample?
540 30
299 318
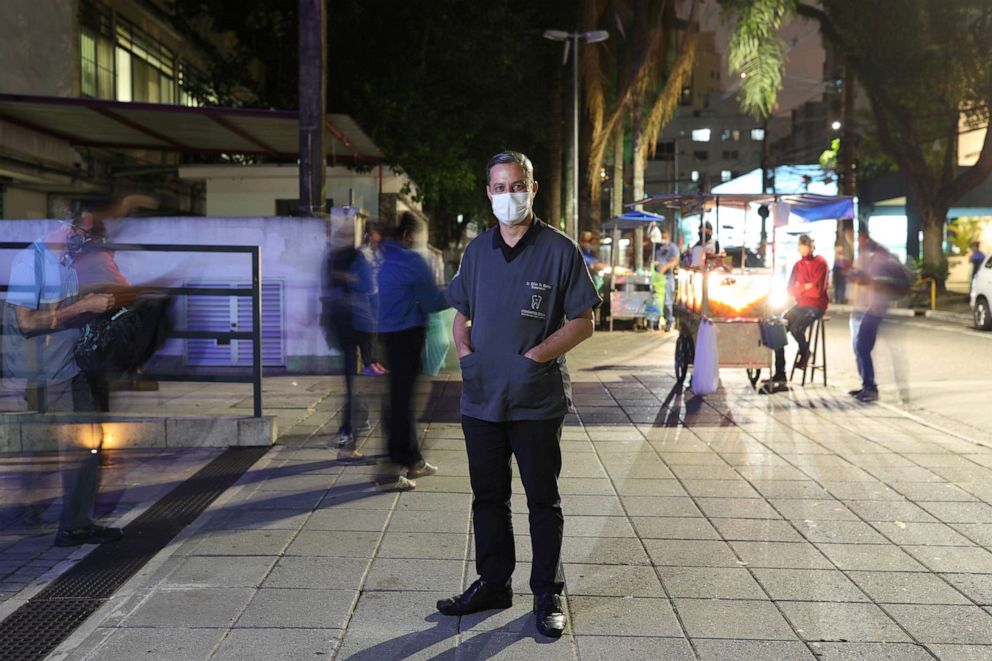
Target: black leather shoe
550 617
93 535
480 596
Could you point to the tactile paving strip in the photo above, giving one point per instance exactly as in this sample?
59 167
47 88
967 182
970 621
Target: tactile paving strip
37 627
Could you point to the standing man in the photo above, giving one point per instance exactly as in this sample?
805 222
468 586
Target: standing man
40 319
667 255
977 258
808 286
528 295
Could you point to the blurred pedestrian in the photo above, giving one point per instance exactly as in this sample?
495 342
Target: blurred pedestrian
365 316
977 258
40 333
525 289
405 294
879 279
339 300
666 254
808 286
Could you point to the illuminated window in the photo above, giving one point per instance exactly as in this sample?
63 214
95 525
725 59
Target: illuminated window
757 134
726 175
96 52
695 175
700 135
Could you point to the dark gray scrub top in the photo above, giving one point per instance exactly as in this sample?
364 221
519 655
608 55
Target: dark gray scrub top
515 299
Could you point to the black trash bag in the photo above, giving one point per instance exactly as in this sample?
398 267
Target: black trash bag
122 340
773 334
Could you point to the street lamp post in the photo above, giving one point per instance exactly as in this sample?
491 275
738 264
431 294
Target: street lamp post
592 37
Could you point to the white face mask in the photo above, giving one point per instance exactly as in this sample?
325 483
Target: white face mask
512 208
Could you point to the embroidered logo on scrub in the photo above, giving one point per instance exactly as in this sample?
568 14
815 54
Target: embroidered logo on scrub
536 300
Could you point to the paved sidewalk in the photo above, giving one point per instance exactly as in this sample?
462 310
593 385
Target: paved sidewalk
724 527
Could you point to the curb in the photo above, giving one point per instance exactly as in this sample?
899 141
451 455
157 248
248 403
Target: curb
891 312
953 317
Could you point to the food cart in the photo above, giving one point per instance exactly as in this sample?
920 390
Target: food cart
735 296
626 283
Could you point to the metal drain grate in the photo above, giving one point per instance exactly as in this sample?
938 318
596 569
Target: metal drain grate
37 627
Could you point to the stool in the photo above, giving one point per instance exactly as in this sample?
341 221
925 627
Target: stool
816 338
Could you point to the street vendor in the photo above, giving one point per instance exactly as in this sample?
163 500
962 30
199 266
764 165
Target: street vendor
666 258
705 246
808 286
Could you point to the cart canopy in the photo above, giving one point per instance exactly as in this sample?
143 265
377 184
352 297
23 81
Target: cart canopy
631 220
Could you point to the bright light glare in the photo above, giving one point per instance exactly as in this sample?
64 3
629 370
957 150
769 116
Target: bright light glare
835 125
778 295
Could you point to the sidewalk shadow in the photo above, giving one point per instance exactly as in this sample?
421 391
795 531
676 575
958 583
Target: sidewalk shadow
483 644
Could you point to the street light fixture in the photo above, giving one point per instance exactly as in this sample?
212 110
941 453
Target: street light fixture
572 38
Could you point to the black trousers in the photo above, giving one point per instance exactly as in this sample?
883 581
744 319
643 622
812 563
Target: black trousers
536 446
403 353
347 339
798 318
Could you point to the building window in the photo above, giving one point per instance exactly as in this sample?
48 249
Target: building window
730 135
730 155
701 155
96 52
726 175
757 134
146 68
665 150
694 175
700 135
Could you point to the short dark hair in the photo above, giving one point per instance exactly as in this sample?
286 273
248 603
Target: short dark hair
805 240
508 157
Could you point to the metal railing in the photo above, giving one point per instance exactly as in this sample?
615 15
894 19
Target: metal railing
255 292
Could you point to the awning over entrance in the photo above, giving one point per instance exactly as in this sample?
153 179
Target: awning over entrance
204 130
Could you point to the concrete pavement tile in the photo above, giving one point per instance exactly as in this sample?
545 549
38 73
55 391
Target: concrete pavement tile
496 645
737 508
416 575
636 616
297 608
980 533
444 484
198 607
690 553
924 534
337 543
816 510
317 572
424 645
901 510
870 652
661 527
590 505
596 526
735 650
347 520
277 500
694 472
257 520
861 491
242 542
954 559
692 458
962 652
633 648
267 644
357 496
427 522
924 491
708 618
660 506
649 487
944 624
843 532
612 580
842 622
905 476
710 583
763 458
977 587
220 571
604 550
780 555
720 489
434 502
394 613
586 486
954 512
757 530
289 482
808 585
653 470
772 473
870 557
888 587
168 644
435 545
517 619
